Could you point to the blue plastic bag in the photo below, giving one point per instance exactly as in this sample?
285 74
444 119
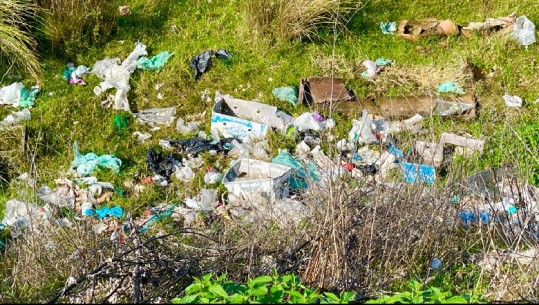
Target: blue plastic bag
288 94
299 174
418 173
450 87
86 164
103 212
155 63
388 27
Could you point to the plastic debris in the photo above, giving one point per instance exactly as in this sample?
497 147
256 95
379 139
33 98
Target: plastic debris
86 164
361 131
74 75
212 177
124 10
120 121
156 116
468 143
431 153
103 212
512 100
436 264
116 75
418 173
17 95
16 117
184 129
155 63
62 196
524 31
163 165
388 27
141 137
374 67
324 90
19 216
288 94
223 54
202 63
301 174
310 121
157 215
184 173
197 145
450 87
445 108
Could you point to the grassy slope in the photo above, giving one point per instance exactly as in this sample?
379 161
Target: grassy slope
74 113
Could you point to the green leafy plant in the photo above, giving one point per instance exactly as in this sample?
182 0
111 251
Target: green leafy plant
415 295
276 289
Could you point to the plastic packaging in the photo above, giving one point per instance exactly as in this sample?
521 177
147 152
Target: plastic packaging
307 121
450 87
184 129
361 131
156 116
388 27
208 199
524 31
288 94
213 177
87 163
299 178
155 63
184 173
16 117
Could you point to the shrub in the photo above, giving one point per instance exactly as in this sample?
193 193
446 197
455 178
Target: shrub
75 24
17 45
286 289
296 19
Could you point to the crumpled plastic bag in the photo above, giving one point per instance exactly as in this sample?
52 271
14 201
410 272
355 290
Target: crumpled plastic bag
311 121
184 173
156 116
86 164
202 63
361 131
19 215
450 87
300 174
17 95
418 173
445 108
16 117
74 75
103 212
62 196
388 27
155 63
288 94
197 145
116 75
524 31
184 129
162 165
374 67
512 100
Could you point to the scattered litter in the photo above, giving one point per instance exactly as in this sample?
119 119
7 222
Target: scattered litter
155 63
212 176
223 54
74 75
86 164
202 63
288 94
103 212
249 176
19 216
159 96
418 173
141 137
471 144
431 153
116 75
163 165
446 108
156 116
120 121
157 214
374 67
524 31
245 120
414 29
361 131
450 87
62 196
512 100
184 173
324 90
499 24
17 95
388 27
301 175
16 117
311 121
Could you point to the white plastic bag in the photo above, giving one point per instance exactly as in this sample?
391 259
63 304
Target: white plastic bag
524 31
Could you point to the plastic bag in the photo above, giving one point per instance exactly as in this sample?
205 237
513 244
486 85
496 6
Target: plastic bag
298 179
307 121
362 130
450 87
223 54
418 172
16 117
103 212
208 199
156 116
62 196
288 94
85 164
74 75
524 31
213 177
388 27
155 63
9 95
512 100
160 165
184 129
184 173
202 63
20 215
445 108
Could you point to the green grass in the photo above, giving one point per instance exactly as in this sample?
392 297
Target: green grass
64 113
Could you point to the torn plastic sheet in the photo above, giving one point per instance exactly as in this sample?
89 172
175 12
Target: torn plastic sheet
19 215
524 31
418 173
74 75
202 63
104 212
62 196
301 174
188 128
245 120
388 27
86 164
445 108
155 63
116 75
16 117
288 94
156 116
512 100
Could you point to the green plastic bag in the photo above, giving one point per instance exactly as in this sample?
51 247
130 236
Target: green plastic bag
288 94
155 63
86 164
120 121
28 97
300 172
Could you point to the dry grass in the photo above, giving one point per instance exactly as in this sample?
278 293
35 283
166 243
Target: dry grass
73 24
17 45
297 19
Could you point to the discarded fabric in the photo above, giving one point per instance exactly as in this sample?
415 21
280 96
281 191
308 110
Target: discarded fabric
155 63
86 164
418 173
103 212
524 31
288 94
512 100
450 87
388 27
